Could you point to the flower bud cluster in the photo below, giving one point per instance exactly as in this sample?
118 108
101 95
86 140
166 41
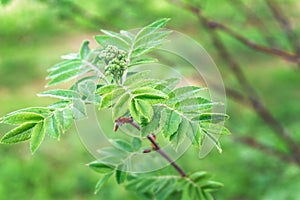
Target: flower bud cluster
115 60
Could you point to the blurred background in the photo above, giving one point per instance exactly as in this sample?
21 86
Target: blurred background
260 159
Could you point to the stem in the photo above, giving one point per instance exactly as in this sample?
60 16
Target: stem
214 25
285 26
165 155
157 148
100 74
236 69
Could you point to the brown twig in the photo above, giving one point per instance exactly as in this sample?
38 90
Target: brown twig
285 26
263 148
214 25
257 105
254 18
129 120
163 154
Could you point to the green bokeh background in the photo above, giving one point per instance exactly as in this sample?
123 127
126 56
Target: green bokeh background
33 35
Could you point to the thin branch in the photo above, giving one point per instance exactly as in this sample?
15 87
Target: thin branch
257 105
288 56
266 149
214 25
285 26
129 120
255 19
163 154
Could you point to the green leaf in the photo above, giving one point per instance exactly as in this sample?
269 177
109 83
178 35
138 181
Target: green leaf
148 93
211 117
200 177
217 129
143 50
207 196
87 89
121 145
152 28
212 186
37 137
101 39
110 98
194 104
121 174
136 143
212 139
118 36
106 89
60 94
79 109
155 187
180 134
143 61
144 108
64 118
128 35
186 92
100 167
168 85
62 64
121 106
22 117
133 79
169 122
51 127
85 50
153 125
148 40
66 66
44 111
141 111
185 193
18 134
159 23
68 75
60 104
102 182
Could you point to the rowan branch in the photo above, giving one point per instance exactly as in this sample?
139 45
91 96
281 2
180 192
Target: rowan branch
265 149
128 120
285 26
256 103
254 19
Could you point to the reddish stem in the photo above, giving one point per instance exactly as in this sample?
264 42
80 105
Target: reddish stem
151 138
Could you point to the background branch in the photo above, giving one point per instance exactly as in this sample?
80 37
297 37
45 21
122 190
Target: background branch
285 26
236 69
251 142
